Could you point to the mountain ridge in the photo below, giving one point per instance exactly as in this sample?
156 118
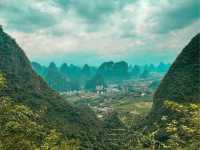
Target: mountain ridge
182 82
26 87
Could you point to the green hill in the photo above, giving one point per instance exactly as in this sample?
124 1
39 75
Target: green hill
175 117
182 82
24 86
174 120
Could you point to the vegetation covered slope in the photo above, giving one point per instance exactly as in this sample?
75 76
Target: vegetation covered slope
174 119
24 86
177 128
182 82
20 129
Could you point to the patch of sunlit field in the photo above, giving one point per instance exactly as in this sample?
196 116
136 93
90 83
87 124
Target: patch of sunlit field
133 107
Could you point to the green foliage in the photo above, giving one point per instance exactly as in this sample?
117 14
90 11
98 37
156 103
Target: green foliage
2 81
178 128
182 128
182 82
20 130
52 141
24 86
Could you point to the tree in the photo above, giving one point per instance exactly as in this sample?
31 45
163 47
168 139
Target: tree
52 142
2 81
20 128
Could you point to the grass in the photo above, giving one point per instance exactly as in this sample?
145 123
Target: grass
139 107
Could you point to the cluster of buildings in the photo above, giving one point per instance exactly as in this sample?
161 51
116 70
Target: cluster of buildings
136 88
139 88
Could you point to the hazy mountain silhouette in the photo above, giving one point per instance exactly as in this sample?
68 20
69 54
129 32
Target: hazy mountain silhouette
111 71
40 69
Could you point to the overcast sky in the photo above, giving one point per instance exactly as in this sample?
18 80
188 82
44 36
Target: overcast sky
93 31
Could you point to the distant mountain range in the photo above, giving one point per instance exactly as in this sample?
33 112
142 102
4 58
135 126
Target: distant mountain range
72 77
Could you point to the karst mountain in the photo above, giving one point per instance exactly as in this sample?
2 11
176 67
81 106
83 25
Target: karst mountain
26 87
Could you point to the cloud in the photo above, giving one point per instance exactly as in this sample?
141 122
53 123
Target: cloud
27 15
103 29
175 40
175 15
93 11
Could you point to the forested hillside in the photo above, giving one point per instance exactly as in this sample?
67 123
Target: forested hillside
21 129
174 120
24 86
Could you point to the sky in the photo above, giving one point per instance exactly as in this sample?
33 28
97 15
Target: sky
94 31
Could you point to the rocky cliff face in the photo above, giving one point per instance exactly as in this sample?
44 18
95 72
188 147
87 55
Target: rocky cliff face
182 82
